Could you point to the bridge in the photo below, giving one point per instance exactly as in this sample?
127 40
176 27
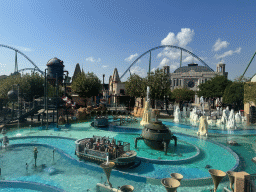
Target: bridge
160 47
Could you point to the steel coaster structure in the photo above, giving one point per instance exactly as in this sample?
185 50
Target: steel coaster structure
164 46
247 66
26 69
16 64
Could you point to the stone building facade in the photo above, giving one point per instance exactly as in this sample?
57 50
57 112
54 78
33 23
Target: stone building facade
116 87
192 76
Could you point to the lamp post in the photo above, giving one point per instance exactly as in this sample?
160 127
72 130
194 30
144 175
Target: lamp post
57 100
66 80
18 102
116 101
46 97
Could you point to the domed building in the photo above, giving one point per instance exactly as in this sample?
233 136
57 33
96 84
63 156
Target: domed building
192 76
55 70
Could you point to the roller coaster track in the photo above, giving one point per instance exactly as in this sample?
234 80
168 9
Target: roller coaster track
36 68
163 46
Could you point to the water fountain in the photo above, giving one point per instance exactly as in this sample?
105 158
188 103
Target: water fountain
184 112
202 104
218 111
231 124
194 117
188 112
177 115
155 134
146 118
238 118
203 126
5 140
224 118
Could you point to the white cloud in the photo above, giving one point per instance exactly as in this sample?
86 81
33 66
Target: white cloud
228 53
91 59
170 39
188 59
184 37
164 62
139 71
153 70
219 45
171 54
173 67
131 57
104 66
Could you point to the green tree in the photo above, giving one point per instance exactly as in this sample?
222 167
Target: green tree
135 86
32 86
234 94
244 79
182 95
7 84
213 88
250 92
86 85
159 84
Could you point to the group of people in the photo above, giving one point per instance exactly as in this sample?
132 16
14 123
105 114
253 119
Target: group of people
103 144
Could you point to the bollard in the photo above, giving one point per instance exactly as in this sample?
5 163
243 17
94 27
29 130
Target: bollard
35 155
53 154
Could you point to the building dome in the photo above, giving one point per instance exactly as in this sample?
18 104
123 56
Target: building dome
12 95
55 70
194 67
55 61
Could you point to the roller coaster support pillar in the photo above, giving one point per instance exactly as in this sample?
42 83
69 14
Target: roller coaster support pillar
165 147
136 140
175 140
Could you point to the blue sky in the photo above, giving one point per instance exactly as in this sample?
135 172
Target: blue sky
102 35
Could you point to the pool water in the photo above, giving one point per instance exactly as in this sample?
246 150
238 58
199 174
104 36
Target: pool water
71 173
68 177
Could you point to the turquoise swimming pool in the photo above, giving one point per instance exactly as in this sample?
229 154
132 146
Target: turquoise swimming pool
188 148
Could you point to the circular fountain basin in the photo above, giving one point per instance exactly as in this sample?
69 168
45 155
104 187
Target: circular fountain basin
203 152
